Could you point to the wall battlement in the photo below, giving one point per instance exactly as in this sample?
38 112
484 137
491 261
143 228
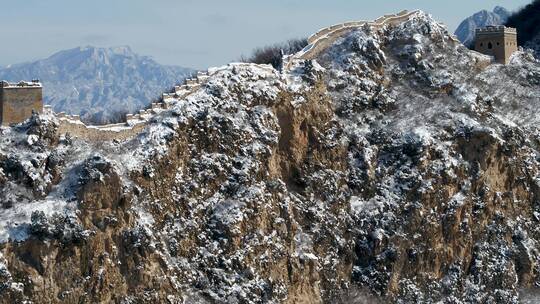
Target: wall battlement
21 84
495 29
497 41
325 37
135 122
378 22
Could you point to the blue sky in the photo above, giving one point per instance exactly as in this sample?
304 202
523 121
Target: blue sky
193 33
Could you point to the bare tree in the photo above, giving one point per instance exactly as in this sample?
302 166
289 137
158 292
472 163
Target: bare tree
273 54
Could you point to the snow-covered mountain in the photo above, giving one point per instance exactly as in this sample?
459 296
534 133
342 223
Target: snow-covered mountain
466 30
384 158
98 83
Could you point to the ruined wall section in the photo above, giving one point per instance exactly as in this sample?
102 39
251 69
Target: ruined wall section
76 128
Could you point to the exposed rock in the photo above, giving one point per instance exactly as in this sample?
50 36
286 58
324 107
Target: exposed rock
397 166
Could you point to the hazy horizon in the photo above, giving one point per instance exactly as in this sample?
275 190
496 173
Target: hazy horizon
195 34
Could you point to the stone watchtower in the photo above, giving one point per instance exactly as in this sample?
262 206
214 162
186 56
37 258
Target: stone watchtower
17 101
497 41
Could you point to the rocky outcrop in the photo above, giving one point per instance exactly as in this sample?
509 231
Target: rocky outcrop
393 165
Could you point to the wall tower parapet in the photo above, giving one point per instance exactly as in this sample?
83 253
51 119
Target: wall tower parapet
497 41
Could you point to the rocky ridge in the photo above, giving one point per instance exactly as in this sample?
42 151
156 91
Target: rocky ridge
396 165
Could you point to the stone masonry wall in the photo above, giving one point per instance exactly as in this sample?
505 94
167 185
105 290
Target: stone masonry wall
500 43
135 123
17 103
325 37
94 134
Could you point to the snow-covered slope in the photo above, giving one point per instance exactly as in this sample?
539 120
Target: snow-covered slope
396 163
98 83
466 29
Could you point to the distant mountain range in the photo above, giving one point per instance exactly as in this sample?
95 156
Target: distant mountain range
98 83
466 30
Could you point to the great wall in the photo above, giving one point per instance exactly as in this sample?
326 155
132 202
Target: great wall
326 36
135 123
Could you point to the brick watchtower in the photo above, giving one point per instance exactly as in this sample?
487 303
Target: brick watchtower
17 101
497 41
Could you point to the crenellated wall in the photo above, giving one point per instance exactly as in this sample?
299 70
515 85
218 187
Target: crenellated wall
325 37
497 41
135 122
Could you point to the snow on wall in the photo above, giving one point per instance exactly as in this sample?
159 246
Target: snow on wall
135 123
325 37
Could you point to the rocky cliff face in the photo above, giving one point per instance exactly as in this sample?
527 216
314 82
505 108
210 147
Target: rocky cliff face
100 84
466 29
396 166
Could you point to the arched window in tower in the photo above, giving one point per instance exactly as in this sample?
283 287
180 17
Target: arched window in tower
490 45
